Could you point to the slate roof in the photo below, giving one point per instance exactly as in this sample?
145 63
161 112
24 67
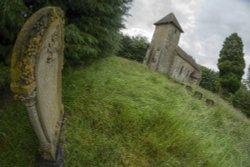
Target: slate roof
170 18
187 57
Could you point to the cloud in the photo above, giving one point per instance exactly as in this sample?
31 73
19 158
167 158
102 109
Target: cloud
206 24
187 12
144 14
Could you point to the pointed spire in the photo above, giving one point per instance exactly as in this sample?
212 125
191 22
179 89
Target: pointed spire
170 18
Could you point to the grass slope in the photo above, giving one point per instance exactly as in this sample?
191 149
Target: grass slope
119 113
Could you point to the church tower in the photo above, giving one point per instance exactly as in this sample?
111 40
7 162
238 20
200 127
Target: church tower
166 37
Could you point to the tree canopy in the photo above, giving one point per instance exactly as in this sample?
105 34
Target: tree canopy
91 26
241 100
210 79
231 64
133 48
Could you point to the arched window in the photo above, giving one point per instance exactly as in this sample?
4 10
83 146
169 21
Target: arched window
181 70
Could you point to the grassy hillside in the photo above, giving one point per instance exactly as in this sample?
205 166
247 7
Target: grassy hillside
119 113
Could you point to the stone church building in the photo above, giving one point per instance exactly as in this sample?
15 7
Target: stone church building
164 54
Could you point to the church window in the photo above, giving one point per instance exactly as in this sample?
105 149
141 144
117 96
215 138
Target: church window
181 70
175 31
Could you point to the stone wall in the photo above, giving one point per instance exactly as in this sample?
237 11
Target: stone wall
160 53
181 70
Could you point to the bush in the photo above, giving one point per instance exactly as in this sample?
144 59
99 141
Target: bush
210 79
230 81
133 48
241 101
91 29
79 46
4 75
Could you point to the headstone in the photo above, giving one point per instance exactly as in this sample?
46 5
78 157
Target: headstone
189 88
209 102
198 95
37 61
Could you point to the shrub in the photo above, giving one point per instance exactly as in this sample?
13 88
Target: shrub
241 101
4 75
133 48
210 79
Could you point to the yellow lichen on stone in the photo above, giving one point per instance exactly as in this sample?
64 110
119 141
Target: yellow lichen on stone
26 49
23 71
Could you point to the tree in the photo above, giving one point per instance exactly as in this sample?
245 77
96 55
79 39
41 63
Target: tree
231 64
4 75
12 17
241 101
210 79
91 26
133 48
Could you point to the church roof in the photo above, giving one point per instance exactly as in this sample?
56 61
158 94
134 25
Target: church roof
170 18
187 57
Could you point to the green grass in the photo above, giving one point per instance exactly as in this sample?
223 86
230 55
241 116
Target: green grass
119 113
17 140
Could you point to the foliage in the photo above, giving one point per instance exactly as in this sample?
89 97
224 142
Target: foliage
114 120
242 101
210 79
92 26
99 22
231 64
79 46
4 75
18 143
133 48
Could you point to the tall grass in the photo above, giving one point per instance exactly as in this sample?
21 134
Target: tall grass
17 139
119 113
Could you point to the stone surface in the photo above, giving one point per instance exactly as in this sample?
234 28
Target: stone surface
189 88
59 158
164 54
37 61
209 102
198 95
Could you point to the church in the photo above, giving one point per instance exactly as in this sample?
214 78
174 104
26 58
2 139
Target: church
164 54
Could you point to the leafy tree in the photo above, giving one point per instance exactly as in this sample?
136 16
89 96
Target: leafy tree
12 17
133 48
241 101
210 79
91 29
99 22
231 64
4 75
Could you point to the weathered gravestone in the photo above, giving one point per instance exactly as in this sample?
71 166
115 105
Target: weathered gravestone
209 102
198 95
37 61
189 88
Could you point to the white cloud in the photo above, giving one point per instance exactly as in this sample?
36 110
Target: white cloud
187 11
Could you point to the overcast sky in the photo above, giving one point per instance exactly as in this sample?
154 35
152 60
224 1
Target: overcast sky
206 24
